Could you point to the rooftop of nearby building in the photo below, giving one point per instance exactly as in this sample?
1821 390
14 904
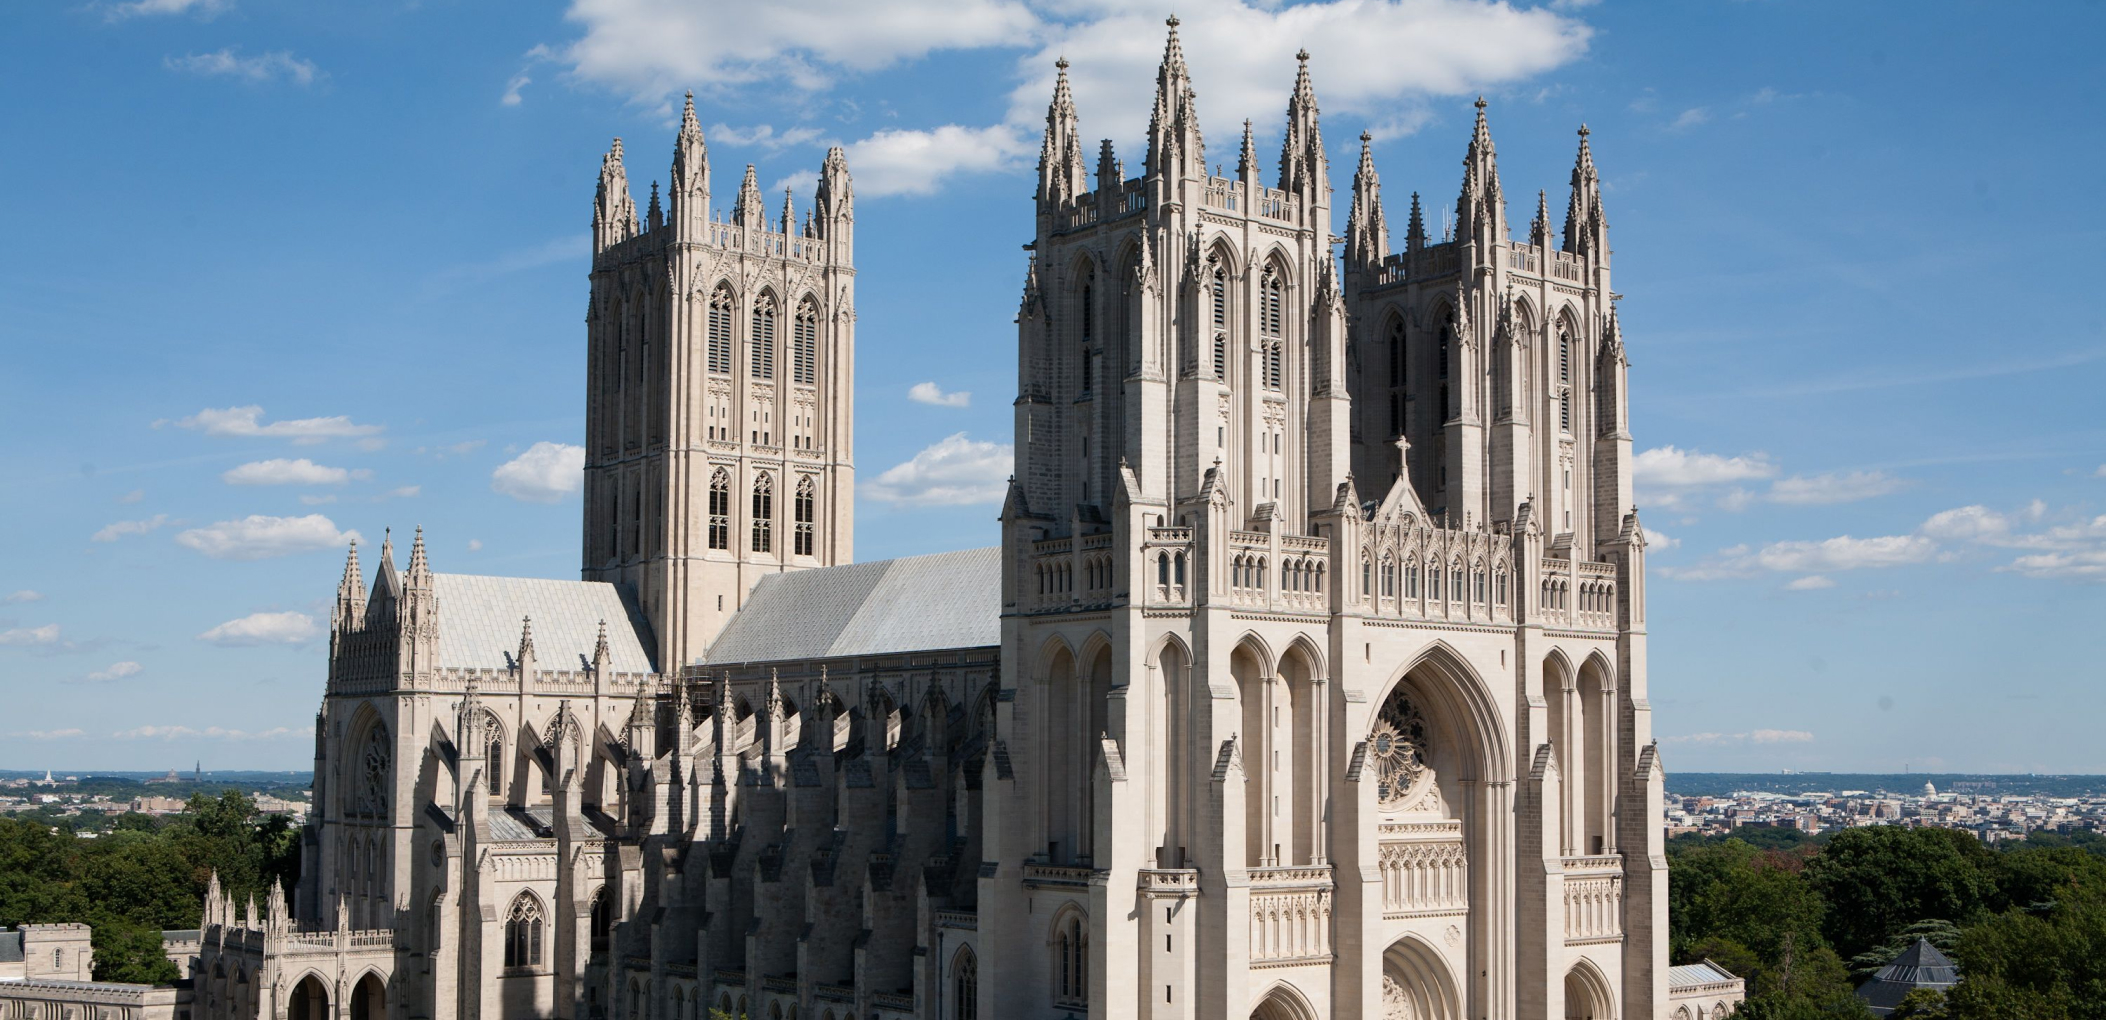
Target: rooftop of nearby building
940 601
1702 973
1921 966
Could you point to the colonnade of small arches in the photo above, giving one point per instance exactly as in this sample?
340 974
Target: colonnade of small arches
1393 582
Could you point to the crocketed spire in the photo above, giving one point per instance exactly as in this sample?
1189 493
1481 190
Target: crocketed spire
1367 232
688 190
1062 174
1175 148
1480 211
1302 160
748 212
613 211
1586 228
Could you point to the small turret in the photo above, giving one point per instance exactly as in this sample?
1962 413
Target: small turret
525 657
613 211
1061 173
601 657
350 609
1539 228
1480 211
1302 160
789 212
1367 231
1586 228
1247 160
654 217
836 204
1175 148
1415 231
748 212
688 191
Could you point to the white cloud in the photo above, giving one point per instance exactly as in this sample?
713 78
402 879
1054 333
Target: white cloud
652 48
930 393
952 471
247 421
134 496
519 81
1845 553
1780 736
1690 118
284 628
1659 540
1810 583
49 735
762 136
2084 564
259 536
1756 736
148 8
460 449
24 596
116 530
911 162
546 473
1674 467
255 70
46 635
1833 487
1974 523
279 471
402 492
115 670
474 544
2100 473
313 500
169 732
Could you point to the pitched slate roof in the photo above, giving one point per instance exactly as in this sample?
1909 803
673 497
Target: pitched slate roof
1704 973
940 601
479 618
1921 966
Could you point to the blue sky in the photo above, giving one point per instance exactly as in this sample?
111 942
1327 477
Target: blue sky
275 273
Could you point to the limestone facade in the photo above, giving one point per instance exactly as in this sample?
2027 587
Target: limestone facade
1308 678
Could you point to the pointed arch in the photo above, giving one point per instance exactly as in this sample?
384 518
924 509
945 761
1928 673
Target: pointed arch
1464 698
723 313
804 515
1068 941
763 538
1588 992
965 983
804 342
525 926
720 508
1282 1001
761 337
1417 982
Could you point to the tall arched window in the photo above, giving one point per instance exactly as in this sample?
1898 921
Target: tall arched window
1217 294
720 306
802 540
1071 963
965 984
1272 296
1396 376
494 765
602 920
763 513
523 933
720 510
1088 321
804 344
1564 355
763 360
374 774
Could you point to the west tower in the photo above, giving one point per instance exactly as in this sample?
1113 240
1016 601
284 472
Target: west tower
721 361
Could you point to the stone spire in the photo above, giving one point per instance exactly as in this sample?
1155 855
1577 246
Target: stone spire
1111 174
1480 211
1302 160
1586 229
1175 148
350 595
1061 173
601 656
419 565
835 204
688 191
1367 231
748 212
1415 231
387 583
1247 160
613 211
526 645
1030 305
789 212
1539 228
654 218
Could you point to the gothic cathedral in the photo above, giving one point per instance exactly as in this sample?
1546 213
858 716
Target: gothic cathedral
1308 678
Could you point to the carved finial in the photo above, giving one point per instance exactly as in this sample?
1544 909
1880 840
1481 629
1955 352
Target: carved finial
1062 64
1480 104
1172 22
1302 55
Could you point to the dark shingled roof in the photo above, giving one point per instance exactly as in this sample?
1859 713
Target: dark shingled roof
1921 966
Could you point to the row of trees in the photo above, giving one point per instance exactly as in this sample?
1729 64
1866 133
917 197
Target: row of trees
146 874
1805 921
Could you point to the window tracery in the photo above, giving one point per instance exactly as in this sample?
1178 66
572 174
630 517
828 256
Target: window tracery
720 331
1399 747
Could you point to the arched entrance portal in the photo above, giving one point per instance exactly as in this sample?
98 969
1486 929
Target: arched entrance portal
1416 983
369 998
1282 1003
1587 994
310 999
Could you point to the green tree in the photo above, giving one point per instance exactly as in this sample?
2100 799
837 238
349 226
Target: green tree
1876 880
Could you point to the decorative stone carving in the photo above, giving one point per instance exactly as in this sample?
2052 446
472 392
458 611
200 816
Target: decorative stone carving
1398 746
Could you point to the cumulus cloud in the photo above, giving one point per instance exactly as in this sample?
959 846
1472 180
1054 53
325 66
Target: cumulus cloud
930 393
402 492
283 628
116 530
953 471
518 82
1690 118
1810 583
248 421
1658 540
45 635
24 596
913 162
1673 467
115 671
256 70
49 735
149 8
259 536
1833 487
1807 557
279 471
545 473
765 137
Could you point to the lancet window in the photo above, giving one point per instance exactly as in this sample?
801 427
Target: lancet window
720 510
764 513
804 344
1217 298
803 512
763 358
720 306
523 930
1088 322
1071 963
1272 298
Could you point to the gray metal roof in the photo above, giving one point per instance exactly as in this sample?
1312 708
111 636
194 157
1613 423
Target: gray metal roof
479 618
10 947
939 601
1686 976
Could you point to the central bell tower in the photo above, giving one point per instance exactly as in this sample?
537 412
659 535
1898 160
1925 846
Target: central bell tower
719 400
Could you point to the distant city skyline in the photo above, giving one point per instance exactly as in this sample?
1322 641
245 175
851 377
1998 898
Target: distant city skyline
1859 383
